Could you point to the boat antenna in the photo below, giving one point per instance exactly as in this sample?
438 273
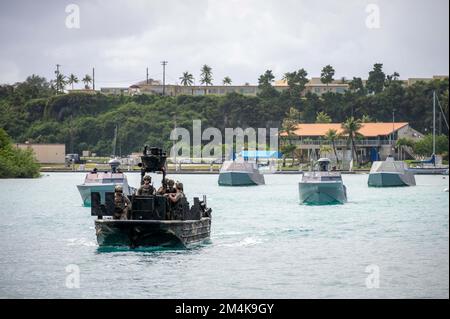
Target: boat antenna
115 140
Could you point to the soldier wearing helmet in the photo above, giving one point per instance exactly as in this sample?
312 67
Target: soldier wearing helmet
167 188
122 204
170 187
177 201
146 189
179 193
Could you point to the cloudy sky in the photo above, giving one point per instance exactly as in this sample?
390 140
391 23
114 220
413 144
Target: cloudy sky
237 38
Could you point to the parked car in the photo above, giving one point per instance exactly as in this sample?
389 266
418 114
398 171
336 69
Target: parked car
73 159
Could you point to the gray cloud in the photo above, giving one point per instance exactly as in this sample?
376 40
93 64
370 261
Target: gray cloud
239 39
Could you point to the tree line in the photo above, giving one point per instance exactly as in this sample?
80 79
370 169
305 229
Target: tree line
32 111
16 163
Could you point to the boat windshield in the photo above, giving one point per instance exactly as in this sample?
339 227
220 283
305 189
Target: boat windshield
322 176
388 166
105 178
241 166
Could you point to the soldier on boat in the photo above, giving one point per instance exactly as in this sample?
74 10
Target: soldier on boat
150 218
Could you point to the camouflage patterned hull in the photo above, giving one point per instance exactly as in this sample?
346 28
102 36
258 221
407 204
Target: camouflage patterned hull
164 233
391 180
240 179
322 193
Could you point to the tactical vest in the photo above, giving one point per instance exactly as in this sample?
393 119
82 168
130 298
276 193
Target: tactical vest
146 190
179 207
119 202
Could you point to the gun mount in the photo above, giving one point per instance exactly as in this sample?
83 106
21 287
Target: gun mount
153 161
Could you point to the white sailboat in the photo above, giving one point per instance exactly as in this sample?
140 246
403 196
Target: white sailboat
430 166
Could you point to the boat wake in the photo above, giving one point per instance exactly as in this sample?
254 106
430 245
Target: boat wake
81 242
246 242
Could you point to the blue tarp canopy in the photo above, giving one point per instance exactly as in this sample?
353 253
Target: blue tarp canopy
260 154
432 160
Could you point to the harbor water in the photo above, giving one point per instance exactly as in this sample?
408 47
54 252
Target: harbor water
383 243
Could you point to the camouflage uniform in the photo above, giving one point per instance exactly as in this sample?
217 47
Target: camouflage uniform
168 189
146 189
177 202
122 205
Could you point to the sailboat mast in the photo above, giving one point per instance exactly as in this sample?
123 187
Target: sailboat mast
393 132
434 122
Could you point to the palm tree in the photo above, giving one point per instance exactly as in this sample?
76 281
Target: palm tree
327 74
331 136
323 117
86 80
288 149
60 82
226 80
324 150
206 75
187 79
72 80
351 128
366 119
288 128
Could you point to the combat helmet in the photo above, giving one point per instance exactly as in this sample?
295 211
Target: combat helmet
118 189
147 178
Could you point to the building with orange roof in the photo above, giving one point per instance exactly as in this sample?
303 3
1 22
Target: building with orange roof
375 142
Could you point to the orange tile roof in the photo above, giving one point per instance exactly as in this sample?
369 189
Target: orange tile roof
367 129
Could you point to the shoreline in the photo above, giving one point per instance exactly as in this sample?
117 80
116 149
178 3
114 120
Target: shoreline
191 172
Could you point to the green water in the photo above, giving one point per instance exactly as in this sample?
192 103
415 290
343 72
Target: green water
263 243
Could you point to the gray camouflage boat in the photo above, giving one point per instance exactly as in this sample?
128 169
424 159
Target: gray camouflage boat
240 173
153 220
390 173
322 187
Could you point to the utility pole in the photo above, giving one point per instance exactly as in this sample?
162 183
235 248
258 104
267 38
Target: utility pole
164 63
175 128
71 134
93 79
57 73
393 132
147 76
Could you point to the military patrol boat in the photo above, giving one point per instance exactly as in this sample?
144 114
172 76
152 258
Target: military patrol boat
102 182
322 187
240 173
153 220
390 173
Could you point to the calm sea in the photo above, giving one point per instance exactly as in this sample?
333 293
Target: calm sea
263 244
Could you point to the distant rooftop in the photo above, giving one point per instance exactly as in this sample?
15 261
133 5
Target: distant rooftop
367 129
